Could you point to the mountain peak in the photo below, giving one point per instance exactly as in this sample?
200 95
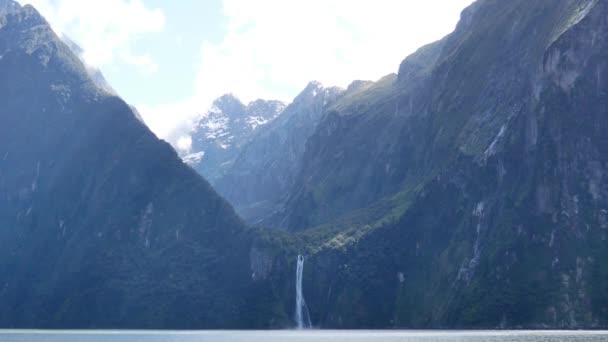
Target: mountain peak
27 14
268 109
64 142
467 15
314 85
229 97
28 34
229 104
312 89
224 129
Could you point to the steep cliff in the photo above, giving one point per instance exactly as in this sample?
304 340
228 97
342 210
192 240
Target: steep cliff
101 224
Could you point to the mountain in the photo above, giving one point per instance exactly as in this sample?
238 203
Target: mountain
265 167
101 224
469 190
221 133
441 106
337 175
94 73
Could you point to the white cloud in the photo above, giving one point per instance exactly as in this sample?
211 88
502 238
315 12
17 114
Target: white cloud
274 47
184 144
144 63
271 48
171 121
106 30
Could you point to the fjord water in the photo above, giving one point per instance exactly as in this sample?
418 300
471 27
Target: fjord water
304 336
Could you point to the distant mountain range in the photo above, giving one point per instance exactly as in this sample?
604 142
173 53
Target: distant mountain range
469 190
219 135
251 154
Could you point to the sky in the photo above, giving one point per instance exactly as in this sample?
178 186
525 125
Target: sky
171 59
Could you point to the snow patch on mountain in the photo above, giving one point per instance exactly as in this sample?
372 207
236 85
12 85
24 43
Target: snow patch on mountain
255 121
193 158
221 132
229 121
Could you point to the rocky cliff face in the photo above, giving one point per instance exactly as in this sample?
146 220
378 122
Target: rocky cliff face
451 97
267 166
220 135
470 190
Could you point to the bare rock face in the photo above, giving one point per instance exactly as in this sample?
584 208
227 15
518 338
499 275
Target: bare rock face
267 166
479 172
220 135
261 263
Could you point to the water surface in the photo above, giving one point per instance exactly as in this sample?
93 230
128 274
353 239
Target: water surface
302 336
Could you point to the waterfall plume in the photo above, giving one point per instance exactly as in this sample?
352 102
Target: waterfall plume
302 315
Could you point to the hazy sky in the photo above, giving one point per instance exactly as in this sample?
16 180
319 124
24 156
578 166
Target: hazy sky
172 58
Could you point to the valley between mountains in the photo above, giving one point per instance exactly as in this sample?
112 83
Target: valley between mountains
467 190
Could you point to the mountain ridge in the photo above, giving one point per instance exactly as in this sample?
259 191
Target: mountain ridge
467 191
220 134
265 168
103 225
483 221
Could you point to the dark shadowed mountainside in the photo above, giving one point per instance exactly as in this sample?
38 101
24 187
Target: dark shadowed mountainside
469 190
102 225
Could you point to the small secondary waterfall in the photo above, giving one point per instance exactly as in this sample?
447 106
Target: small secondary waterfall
302 315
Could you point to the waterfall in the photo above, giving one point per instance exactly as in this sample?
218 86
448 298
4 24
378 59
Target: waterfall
302 315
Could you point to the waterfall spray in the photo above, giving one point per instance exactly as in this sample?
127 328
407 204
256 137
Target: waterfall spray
302 315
